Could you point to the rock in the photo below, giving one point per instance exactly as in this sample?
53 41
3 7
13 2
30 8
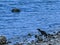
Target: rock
28 44
58 33
3 40
49 44
36 36
9 42
15 10
39 39
50 35
17 43
33 42
29 34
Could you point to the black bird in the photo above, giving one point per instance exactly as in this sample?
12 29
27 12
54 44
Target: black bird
42 32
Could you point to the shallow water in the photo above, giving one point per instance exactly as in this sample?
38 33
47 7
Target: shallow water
34 14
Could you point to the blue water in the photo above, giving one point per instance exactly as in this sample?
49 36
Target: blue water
43 14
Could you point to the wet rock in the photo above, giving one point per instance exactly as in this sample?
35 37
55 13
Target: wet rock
9 42
17 43
49 44
58 33
28 44
50 35
36 36
15 10
3 40
29 35
32 41
39 39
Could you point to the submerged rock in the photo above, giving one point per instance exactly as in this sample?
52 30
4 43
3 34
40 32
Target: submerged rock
3 40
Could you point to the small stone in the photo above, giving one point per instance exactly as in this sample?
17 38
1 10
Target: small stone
49 44
9 42
50 35
15 10
36 36
3 40
17 43
53 37
58 33
39 39
32 41
29 34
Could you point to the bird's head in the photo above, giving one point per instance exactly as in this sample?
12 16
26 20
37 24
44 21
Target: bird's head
39 29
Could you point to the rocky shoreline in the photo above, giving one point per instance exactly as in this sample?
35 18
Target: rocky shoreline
52 39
